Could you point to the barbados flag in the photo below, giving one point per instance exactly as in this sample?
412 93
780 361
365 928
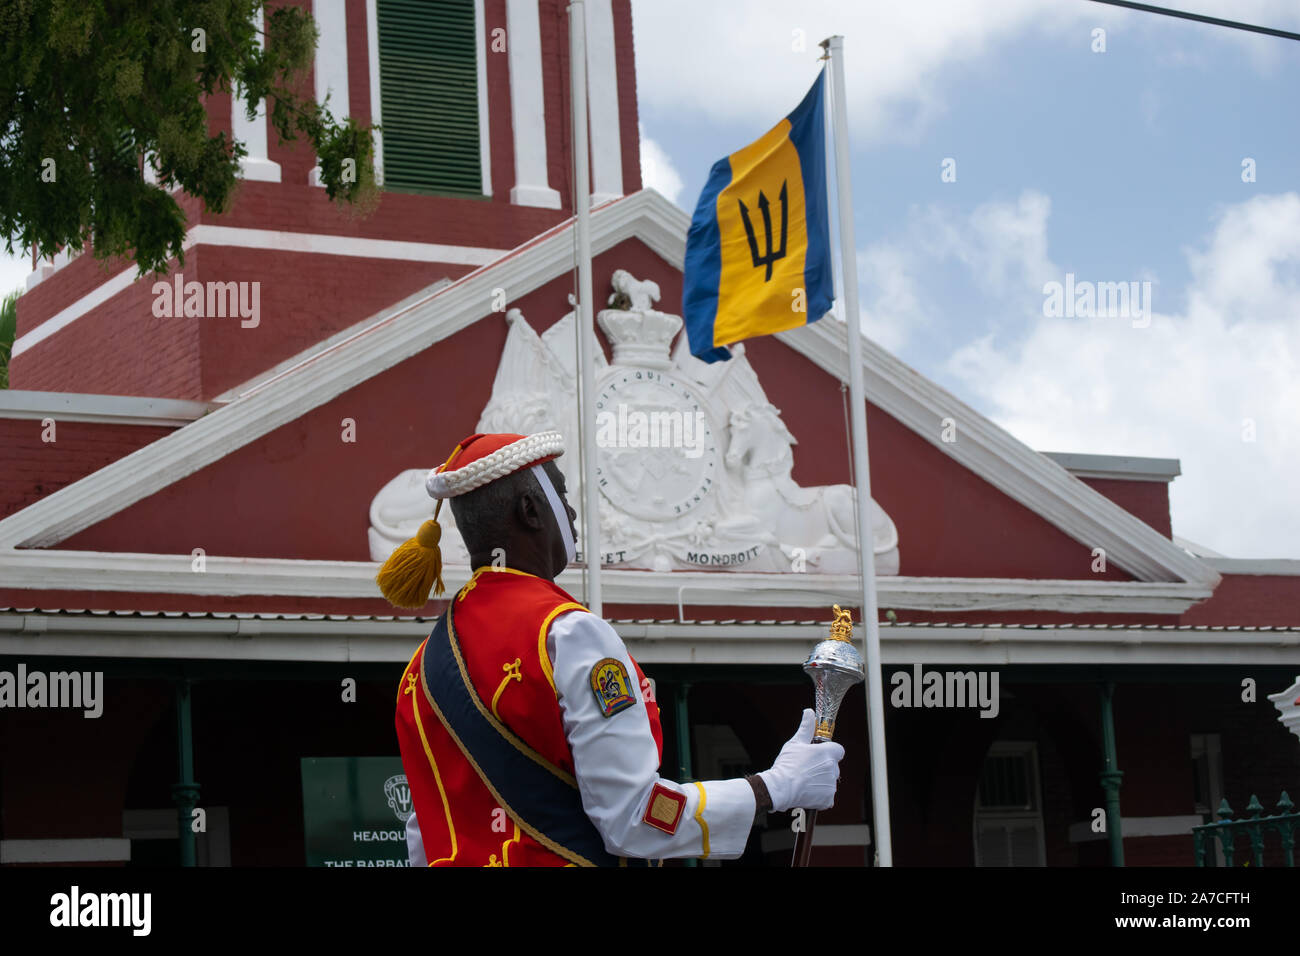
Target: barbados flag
758 254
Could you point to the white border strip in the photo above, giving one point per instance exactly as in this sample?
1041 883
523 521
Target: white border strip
321 638
106 409
40 569
1140 827
65 317
103 850
328 245
274 240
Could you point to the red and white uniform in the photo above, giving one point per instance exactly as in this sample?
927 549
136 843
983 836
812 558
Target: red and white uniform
534 656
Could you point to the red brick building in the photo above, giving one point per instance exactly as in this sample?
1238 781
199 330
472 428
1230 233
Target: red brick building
192 504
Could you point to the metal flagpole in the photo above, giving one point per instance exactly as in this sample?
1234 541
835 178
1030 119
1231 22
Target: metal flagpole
861 468
586 326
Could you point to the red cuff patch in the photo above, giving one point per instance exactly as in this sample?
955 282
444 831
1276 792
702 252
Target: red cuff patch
664 810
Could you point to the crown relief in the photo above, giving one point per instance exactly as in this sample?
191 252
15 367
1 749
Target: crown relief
639 334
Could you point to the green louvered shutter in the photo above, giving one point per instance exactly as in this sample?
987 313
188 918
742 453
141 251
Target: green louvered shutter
428 83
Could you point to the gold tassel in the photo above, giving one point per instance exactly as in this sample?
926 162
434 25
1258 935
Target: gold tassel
414 568
416 565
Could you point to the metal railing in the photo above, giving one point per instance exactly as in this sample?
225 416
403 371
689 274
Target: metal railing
1285 821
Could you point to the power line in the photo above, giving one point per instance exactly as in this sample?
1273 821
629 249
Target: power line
1202 18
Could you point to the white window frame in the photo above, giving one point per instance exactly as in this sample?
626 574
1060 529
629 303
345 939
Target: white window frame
376 113
1032 814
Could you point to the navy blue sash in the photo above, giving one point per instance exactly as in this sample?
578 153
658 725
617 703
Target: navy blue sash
539 796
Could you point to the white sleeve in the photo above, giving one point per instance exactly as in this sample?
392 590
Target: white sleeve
617 763
414 842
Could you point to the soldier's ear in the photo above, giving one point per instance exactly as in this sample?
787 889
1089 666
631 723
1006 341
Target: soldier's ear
528 508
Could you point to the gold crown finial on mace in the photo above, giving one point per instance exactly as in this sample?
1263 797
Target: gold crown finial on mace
834 666
842 626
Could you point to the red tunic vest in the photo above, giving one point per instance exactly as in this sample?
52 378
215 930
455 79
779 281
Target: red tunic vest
502 618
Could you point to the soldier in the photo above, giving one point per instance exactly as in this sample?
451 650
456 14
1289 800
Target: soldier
526 729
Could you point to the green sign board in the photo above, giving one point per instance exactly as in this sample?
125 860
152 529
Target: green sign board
355 811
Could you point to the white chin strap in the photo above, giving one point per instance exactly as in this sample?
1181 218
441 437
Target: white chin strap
557 509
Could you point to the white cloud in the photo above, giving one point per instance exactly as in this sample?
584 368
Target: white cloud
891 307
738 62
1189 386
657 169
1003 246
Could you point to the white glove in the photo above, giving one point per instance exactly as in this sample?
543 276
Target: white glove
804 774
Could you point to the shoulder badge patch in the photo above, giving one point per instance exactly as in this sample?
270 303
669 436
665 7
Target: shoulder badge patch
664 811
612 686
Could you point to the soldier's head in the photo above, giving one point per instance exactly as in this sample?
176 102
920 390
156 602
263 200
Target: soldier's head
512 521
508 499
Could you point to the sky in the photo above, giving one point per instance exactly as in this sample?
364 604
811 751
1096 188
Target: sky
1169 158
1109 157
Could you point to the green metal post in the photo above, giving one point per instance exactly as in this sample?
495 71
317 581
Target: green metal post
1111 776
185 794
682 719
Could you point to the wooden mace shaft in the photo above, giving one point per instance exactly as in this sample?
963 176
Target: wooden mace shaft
803 840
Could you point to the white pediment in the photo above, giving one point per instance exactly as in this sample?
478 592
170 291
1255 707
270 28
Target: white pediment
1168 579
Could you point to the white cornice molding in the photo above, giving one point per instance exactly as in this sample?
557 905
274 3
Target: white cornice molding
1117 467
104 409
319 638
394 336
229 577
1286 567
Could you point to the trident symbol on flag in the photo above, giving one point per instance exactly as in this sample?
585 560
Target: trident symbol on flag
771 255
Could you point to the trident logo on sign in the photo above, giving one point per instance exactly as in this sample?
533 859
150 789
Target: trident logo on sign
768 258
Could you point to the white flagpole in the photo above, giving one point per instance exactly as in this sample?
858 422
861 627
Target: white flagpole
586 322
861 467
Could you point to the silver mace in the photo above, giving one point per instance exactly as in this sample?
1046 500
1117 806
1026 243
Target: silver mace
833 666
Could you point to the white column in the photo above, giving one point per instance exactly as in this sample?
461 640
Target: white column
372 55
527 106
257 164
331 62
602 92
480 60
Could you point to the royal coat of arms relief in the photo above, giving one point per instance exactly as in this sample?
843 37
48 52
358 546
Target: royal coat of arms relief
693 460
